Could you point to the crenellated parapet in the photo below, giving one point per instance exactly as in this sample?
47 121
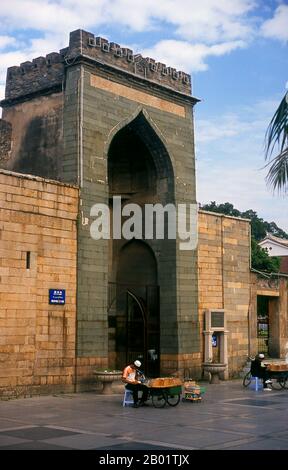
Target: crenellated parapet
40 74
48 73
111 53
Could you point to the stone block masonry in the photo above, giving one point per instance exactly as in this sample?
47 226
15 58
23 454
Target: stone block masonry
31 137
37 251
70 116
47 73
43 73
110 53
5 140
65 111
224 278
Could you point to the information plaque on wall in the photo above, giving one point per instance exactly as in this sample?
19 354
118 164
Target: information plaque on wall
57 296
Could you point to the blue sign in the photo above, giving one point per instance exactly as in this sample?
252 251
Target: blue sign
57 296
214 341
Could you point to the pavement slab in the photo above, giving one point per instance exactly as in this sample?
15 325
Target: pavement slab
229 417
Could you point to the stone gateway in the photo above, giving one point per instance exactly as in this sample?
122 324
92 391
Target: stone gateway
85 126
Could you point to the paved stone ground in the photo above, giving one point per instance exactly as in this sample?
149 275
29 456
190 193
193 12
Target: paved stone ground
229 417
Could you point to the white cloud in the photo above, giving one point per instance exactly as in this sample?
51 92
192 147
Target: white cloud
211 130
204 29
6 41
207 20
186 56
2 94
277 27
49 16
37 47
215 21
8 59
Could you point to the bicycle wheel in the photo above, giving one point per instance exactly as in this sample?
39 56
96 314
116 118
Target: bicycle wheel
173 400
247 379
159 400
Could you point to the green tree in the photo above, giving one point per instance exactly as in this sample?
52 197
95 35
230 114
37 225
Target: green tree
277 137
258 228
227 208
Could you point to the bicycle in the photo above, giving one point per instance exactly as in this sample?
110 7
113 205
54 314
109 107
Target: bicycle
278 381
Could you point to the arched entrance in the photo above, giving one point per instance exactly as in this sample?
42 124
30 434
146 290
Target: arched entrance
134 303
140 171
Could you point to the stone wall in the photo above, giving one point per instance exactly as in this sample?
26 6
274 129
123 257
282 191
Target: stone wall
224 279
37 252
5 141
38 76
34 133
95 88
112 54
106 104
45 74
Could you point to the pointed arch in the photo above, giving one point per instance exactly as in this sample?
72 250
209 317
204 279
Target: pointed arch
137 264
142 125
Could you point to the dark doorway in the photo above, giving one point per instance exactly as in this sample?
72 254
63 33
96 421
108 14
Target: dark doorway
142 330
137 277
140 171
134 318
268 325
263 324
134 308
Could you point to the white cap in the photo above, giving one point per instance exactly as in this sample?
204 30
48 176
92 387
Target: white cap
137 363
261 356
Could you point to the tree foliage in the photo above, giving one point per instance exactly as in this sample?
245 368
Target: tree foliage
277 137
260 259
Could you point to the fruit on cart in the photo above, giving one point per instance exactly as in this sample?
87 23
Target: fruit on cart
165 382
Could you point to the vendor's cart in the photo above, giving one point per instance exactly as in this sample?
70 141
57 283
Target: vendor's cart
278 373
165 395
165 391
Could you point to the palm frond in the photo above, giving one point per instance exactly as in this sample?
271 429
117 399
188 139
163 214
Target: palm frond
277 135
277 177
277 132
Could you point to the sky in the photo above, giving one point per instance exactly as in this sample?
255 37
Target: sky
235 51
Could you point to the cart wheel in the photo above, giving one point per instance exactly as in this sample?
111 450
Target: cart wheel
159 401
277 383
247 379
173 400
284 383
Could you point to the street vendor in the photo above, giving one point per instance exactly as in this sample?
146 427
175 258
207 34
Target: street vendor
258 369
130 377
